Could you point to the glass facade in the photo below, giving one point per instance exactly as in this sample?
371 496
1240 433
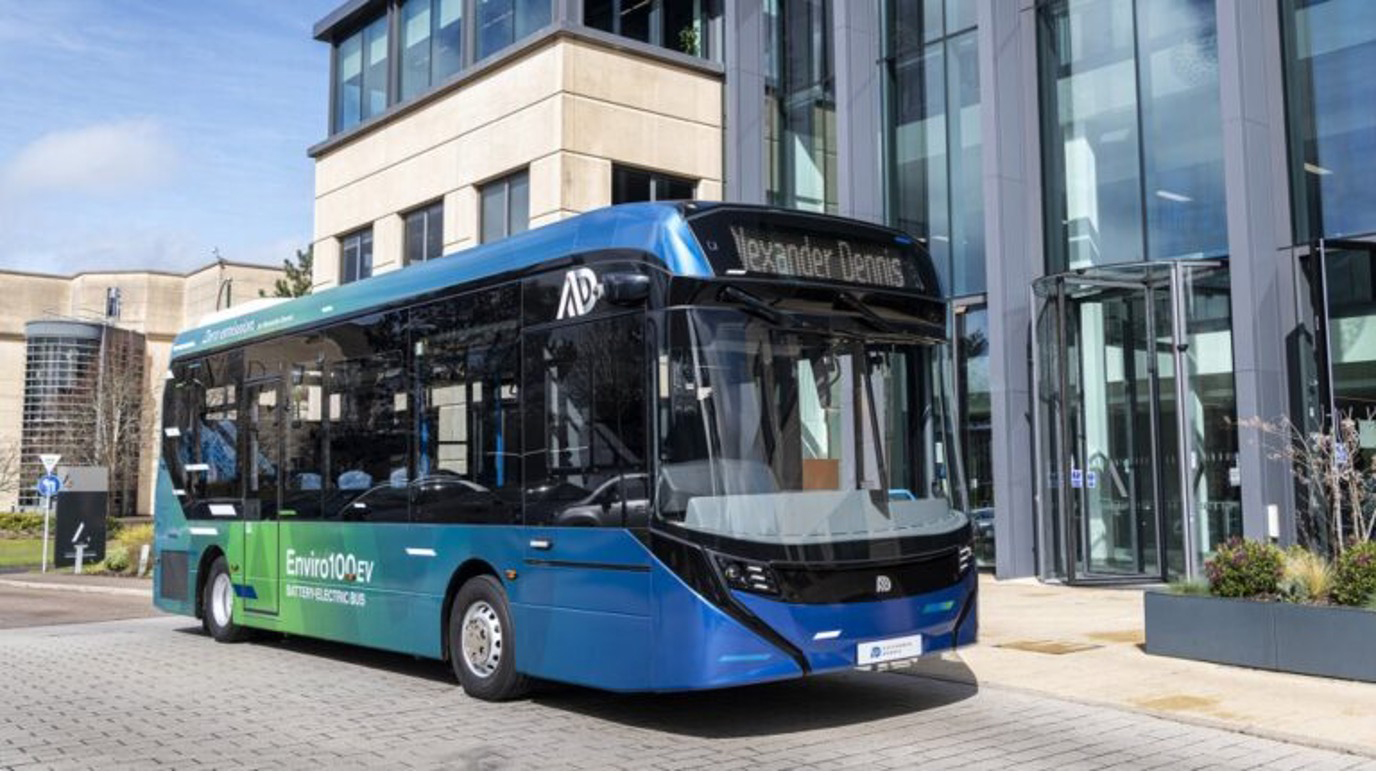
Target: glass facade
800 105
1329 57
430 45
362 74
84 399
499 23
689 26
931 72
1132 137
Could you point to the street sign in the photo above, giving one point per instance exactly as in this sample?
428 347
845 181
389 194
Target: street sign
49 485
49 460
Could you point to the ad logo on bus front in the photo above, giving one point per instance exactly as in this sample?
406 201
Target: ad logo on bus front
580 291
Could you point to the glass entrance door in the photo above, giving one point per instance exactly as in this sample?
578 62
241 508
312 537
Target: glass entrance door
1130 378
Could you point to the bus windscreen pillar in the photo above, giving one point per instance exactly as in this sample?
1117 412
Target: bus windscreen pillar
81 515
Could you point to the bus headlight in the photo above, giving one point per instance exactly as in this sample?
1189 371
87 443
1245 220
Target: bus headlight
748 575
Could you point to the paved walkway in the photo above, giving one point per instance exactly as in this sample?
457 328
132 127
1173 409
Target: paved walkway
1085 644
170 697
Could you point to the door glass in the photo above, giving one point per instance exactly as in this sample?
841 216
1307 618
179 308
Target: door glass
265 434
1213 470
1049 438
1110 476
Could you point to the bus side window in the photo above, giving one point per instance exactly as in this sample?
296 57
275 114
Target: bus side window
303 435
216 469
585 426
182 400
367 420
465 357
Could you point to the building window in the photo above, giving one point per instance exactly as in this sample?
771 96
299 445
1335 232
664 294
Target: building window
422 233
357 255
1132 141
504 207
931 73
636 185
362 74
499 23
429 44
800 107
1328 51
689 26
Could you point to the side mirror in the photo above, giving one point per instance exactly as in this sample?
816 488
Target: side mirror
627 288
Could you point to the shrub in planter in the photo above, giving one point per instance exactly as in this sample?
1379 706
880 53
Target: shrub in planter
122 556
1356 574
1306 577
1240 568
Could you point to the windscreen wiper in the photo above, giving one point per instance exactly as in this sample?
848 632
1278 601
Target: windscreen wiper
753 304
871 318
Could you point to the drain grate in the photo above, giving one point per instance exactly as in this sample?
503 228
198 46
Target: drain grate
1056 647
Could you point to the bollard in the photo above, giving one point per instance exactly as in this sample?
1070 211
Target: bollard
143 559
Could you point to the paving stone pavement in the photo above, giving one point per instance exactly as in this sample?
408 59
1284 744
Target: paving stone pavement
156 693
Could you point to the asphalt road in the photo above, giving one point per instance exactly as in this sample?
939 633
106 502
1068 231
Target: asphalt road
27 607
156 693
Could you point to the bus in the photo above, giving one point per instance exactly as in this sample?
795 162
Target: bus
654 447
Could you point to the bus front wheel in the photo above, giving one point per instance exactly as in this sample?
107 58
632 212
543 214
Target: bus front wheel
218 604
480 636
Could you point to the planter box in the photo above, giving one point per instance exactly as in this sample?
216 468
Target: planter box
1331 641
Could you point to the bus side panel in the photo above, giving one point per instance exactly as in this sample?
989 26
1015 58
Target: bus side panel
179 546
698 646
175 563
582 607
349 582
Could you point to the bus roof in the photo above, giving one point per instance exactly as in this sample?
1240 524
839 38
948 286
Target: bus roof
657 228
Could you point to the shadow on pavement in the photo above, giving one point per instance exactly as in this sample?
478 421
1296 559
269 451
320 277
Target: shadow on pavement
363 656
816 702
766 709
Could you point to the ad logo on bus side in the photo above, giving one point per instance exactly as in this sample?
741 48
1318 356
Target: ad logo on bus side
580 291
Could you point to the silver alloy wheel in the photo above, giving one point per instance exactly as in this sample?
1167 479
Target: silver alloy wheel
482 639
221 600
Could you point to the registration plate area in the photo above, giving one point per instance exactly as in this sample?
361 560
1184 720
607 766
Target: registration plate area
884 653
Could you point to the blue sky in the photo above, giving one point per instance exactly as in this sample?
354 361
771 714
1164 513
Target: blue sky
146 134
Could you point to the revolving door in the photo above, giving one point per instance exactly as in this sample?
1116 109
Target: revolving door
1135 444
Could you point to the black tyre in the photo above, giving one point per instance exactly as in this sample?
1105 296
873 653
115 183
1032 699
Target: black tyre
218 604
480 637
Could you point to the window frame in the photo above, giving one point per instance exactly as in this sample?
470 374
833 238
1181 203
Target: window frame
425 211
363 270
654 179
507 181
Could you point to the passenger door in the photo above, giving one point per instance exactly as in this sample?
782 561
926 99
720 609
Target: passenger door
264 446
586 598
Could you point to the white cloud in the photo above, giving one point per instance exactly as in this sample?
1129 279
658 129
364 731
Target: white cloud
102 159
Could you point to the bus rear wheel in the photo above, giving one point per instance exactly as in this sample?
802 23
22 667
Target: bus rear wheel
218 604
480 637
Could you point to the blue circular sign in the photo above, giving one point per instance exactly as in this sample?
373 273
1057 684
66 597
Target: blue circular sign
49 485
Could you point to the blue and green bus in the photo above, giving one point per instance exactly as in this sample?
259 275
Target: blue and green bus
653 447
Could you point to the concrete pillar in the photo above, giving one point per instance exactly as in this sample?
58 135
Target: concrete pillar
859 109
1258 206
1012 185
744 102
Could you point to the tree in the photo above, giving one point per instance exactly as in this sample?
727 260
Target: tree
112 427
297 279
11 472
